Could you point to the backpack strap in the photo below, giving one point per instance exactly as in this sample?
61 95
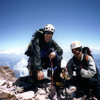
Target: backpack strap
86 57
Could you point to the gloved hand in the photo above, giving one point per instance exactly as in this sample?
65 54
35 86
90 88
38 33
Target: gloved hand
64 74
52 55
84 73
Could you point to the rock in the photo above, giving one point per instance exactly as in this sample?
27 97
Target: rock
26 95
2 82
40 97
7 74
6 94
41 91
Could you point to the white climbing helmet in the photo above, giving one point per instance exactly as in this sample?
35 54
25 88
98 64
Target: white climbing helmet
75 44
49 27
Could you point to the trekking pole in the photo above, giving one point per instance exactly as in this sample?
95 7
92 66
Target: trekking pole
51 75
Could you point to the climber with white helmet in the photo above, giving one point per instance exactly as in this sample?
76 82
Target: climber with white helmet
82 70
43 50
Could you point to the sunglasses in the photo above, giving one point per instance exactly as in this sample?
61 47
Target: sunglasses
77 49
48 32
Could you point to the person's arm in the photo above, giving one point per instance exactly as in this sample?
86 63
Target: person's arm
91 71
57 50
36 58
69 67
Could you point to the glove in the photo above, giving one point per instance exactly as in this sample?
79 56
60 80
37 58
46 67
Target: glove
84 73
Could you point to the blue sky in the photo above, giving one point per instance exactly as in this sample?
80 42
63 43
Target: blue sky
72 19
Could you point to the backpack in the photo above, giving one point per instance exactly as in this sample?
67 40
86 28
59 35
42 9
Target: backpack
86 51
34 37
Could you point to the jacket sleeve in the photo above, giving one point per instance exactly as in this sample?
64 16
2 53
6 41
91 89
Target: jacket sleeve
69 67
35 52
58 50
91 71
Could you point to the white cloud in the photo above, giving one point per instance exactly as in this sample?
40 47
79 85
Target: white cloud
12 51
21 63
17 61
20 68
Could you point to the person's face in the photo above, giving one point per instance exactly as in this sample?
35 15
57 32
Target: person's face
47 37
77 52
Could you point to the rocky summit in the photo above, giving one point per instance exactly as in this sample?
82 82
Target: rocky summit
12 88
10 91
22 88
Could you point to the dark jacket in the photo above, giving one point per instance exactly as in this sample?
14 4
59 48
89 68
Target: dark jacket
40 50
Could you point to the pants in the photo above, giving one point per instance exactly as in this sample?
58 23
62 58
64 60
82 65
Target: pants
81 84
86 84
95 85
